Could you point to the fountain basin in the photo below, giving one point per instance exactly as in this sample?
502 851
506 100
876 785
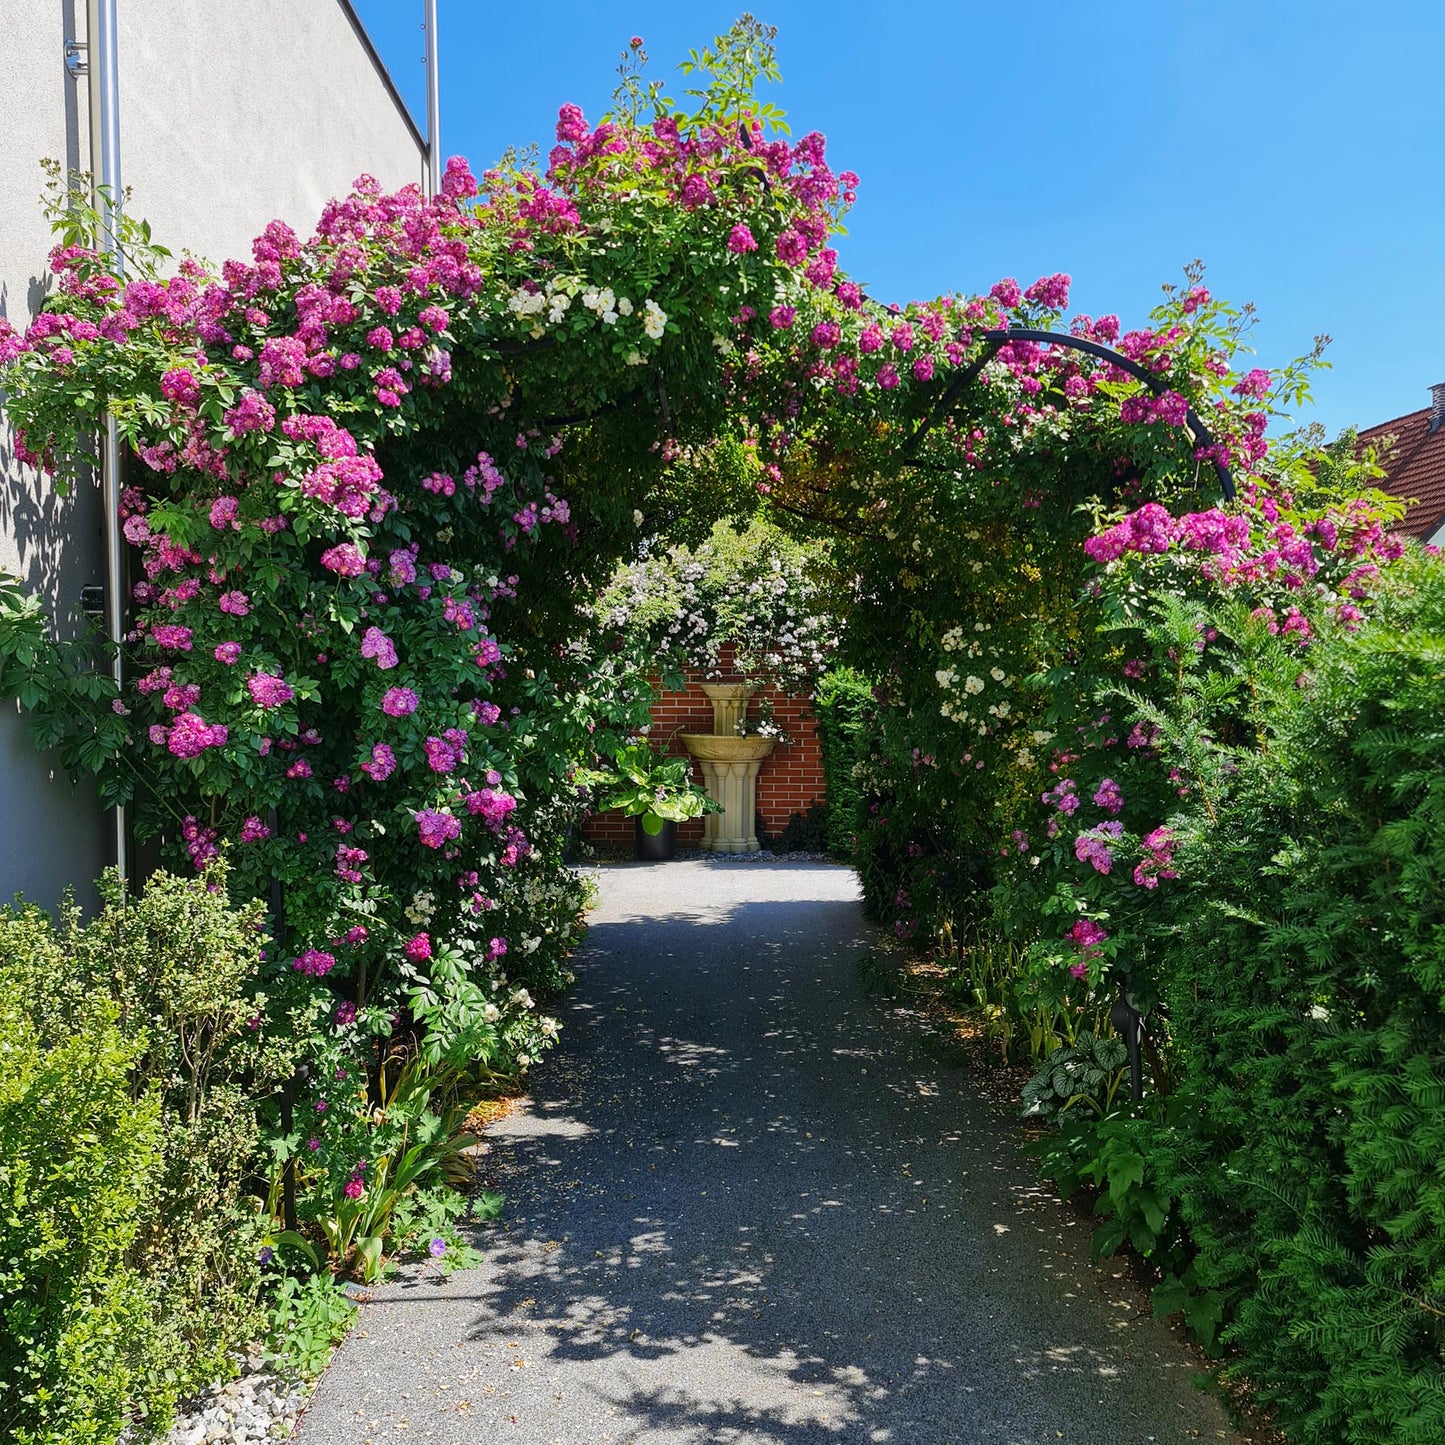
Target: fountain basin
710 748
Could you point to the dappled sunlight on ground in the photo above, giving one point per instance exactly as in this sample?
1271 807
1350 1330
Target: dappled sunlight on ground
743 1205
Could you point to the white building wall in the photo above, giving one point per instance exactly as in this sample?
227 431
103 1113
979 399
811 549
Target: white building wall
232 113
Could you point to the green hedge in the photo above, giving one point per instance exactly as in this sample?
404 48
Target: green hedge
1305 1004
1290 1183
841 706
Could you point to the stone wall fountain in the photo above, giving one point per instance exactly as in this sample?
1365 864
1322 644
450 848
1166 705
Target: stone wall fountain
730 770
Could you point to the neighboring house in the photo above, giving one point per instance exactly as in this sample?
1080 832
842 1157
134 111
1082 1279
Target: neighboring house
230 115
1415 465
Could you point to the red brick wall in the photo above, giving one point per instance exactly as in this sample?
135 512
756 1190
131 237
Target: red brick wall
789 781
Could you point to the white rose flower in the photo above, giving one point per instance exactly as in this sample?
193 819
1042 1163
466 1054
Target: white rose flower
973 684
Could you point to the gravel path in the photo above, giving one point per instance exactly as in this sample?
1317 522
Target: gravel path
744 1204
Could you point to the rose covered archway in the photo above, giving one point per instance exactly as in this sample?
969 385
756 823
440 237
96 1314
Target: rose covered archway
375 471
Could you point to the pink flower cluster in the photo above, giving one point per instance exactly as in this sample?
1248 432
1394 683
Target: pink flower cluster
253 413
348 863
1109 797
376 644
436 829
381 765
399 702
1088 937
190 735
1235 550
345 559
1150 529
1093 847
314 962
445 754
491 805
1158 858
200 842
171 636
269 691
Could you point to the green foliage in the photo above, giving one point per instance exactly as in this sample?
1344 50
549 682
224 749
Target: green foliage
1087 1074
79 1163
642 783
880 973
842 706
127 1135
309 1315
1133 738
1298 977
804 832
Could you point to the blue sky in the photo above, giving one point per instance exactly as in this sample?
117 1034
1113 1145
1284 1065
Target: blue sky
1295 147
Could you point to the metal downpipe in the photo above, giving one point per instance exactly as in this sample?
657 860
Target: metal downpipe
104 86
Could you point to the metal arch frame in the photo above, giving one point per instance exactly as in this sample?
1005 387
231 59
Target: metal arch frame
995 341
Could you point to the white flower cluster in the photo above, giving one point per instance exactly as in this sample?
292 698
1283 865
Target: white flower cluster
607 306
753 590
549 305
422 906
962 687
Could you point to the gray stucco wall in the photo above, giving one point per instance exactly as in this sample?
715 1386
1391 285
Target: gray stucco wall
232 113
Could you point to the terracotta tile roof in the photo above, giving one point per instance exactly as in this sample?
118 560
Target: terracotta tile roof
1415 468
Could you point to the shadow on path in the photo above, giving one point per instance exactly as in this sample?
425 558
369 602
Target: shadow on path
745 1205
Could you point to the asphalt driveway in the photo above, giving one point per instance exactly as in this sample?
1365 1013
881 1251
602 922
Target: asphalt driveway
746 1204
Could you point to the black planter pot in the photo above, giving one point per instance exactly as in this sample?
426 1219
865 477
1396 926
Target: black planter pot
655 847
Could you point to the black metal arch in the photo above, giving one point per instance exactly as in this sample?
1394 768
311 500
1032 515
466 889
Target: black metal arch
994 341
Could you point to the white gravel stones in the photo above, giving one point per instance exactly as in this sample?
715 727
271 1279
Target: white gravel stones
258 1406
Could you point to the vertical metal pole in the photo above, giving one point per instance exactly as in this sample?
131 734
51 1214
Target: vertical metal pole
433 104
1125 1018
104 79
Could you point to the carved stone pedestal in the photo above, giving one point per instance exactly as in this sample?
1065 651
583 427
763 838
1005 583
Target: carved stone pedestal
730 772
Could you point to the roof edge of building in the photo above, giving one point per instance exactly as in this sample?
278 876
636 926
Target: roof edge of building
403 109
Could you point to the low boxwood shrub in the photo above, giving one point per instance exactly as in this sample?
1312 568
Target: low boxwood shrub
80 1163
129 1129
